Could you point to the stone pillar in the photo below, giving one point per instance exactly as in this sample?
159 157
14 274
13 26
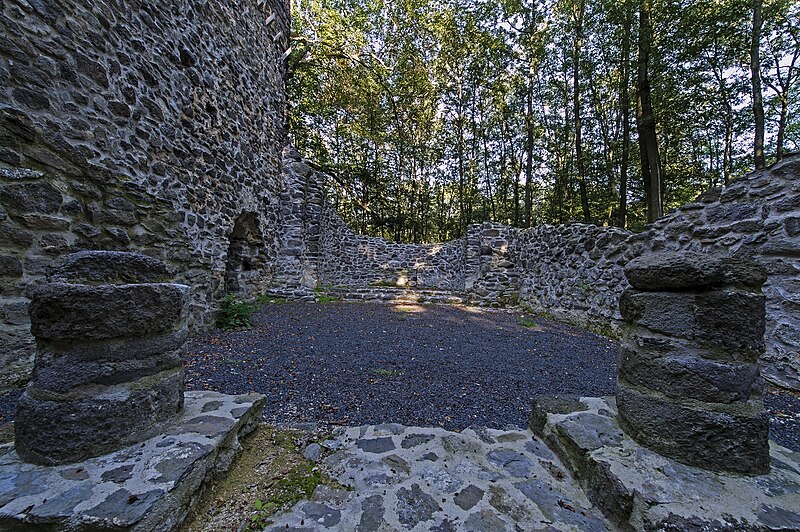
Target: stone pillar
688 379
110 335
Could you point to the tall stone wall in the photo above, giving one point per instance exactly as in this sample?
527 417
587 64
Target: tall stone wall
133 125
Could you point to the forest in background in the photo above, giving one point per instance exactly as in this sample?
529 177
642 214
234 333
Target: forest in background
432 115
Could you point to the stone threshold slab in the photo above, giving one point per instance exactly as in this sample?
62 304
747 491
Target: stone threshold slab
418 479
639 489
144 487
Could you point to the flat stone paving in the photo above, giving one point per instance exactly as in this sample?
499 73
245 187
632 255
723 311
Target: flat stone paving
144 487
420 479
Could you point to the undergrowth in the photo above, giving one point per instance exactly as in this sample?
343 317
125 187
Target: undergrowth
234 313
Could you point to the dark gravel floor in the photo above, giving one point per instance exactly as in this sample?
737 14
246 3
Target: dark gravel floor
366 363
445 366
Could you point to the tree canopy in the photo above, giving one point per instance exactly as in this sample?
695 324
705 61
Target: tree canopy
432 115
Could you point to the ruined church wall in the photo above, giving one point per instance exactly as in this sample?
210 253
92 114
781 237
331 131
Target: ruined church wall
133 125
353 260
573 271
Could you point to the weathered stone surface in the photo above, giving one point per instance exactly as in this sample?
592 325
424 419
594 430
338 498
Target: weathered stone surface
110 267
64 372
705 317
475 480
10 266
107 146
733 438
415 506
55 428
467 498
376 445
684 374
80 312
40 198
542 406
639 489
690 270
149 486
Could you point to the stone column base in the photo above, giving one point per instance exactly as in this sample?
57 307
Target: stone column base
147 486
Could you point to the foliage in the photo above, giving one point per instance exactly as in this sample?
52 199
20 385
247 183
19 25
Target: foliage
435 115
270 300
384 372
234 313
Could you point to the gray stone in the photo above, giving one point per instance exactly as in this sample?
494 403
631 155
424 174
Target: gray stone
110 267
10 266
689 270
313 452
55 428
590 431
376 445
544 405
414 506
40 198
734 439
80 312
322 514
467 498
372 516
516 463
702 317
412 440
688 376
484 521
397 463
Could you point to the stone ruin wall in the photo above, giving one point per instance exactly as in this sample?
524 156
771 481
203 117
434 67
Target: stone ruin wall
353 260
573 271
150 126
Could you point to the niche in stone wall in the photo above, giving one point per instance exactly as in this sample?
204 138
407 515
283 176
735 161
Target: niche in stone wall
243 265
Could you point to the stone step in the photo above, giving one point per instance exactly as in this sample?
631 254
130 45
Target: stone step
398 295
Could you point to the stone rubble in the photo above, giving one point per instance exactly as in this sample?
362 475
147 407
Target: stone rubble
430 479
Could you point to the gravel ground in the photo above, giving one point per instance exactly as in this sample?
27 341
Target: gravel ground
361 363
445 366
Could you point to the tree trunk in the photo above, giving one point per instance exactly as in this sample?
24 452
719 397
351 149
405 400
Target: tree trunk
625 107
755 73
646 121
576 110
529 157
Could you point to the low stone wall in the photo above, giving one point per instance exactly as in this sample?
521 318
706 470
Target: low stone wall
350 259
